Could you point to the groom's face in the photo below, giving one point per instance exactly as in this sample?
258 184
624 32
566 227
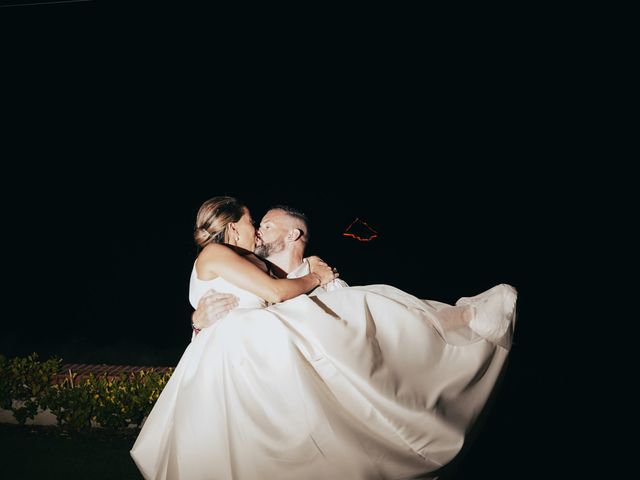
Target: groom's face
274 227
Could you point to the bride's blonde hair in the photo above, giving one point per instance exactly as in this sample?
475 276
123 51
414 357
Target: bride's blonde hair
213 217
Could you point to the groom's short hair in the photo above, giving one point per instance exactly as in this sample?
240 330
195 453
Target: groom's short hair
302 219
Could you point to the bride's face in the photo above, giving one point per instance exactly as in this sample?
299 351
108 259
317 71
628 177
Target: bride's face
246 231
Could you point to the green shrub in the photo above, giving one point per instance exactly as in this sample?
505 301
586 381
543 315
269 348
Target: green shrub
114 403
24 382
71 403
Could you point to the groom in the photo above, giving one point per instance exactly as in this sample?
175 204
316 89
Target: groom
281 239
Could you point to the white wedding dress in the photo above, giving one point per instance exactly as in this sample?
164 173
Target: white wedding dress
356 383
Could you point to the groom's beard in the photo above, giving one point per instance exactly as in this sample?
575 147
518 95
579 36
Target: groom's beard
267 249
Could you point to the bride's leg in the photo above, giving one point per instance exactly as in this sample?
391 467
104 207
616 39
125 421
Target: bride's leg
488 314
492 311
451 318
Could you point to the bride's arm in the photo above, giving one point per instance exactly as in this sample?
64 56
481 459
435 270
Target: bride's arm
219 260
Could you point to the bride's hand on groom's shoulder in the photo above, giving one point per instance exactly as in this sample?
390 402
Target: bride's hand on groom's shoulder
324 271
315 261
212 307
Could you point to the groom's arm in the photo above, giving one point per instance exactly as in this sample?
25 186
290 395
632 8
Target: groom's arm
212 307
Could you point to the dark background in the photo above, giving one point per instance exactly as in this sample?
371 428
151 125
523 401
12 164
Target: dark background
469 151
99 263
115 259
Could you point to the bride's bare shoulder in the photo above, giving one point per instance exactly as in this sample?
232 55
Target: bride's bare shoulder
216 252
213 250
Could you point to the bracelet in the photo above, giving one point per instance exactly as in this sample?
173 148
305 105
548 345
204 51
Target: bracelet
193 325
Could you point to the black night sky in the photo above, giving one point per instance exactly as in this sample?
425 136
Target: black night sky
463 180
103 259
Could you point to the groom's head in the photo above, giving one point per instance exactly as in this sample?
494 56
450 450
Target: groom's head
282 229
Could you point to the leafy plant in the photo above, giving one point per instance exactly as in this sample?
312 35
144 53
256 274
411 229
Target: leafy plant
111 402
24 382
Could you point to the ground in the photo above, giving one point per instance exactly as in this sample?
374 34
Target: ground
50 453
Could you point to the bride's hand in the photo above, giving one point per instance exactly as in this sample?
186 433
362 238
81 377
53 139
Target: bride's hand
324 271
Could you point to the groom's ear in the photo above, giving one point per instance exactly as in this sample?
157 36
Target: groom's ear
295 234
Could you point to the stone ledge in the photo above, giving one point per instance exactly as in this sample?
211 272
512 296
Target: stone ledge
42 418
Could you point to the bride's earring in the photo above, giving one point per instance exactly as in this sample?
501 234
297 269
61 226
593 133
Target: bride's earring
237 235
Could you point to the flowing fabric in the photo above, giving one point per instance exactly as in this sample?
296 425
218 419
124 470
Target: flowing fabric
355 383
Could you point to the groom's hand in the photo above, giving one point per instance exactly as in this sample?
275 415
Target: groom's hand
212 307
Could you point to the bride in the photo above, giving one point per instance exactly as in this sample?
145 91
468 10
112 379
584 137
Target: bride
356 383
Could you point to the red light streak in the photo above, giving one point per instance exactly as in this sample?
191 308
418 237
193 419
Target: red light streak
360 238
